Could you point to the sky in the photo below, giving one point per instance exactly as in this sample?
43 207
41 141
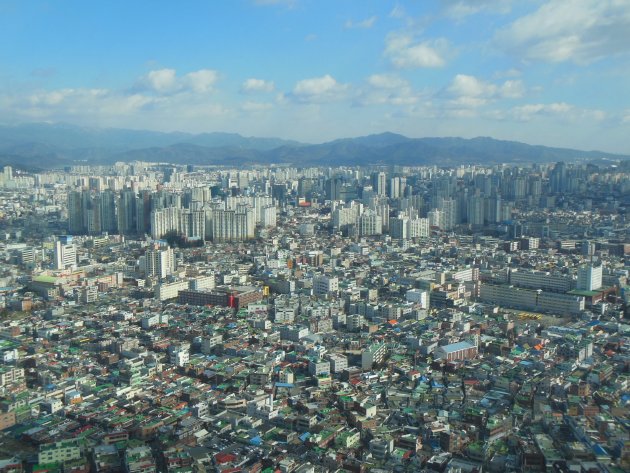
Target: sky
554 72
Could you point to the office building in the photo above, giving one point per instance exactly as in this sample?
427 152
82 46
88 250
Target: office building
589 277
65 255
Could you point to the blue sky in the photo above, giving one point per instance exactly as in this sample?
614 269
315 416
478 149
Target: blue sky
543 72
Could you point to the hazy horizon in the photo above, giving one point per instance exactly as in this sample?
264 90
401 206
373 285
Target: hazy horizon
548 73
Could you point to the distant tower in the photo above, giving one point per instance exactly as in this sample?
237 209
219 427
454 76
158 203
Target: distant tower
75 213
127 212
159 262
65 255
394 188
449 210
589 277
558 178
379 183
143 212
476 210
109 222
7 173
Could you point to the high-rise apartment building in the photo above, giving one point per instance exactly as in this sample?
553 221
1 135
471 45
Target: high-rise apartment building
379 183
159 261
65 255
589 277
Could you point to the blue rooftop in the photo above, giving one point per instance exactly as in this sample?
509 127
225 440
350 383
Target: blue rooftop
284 385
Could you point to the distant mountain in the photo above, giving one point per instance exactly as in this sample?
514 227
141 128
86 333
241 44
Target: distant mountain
376 141
234 140
67 137
389 148
43 145
185 153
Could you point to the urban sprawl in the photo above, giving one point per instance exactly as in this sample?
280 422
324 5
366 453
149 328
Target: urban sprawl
384 319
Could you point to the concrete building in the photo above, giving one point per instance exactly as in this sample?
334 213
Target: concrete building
293 333
323 285
529 299
589 277
65 255
234 297
373 355
166 291
338 363
159 262
59 452
456 351
417 296
233 225
318 367
179 355
540 280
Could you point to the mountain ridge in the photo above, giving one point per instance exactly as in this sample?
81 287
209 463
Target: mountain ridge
59 145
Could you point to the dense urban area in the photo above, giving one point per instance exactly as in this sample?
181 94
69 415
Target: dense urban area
160 318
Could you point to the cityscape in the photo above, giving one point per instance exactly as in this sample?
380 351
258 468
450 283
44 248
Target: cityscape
276 318
315 236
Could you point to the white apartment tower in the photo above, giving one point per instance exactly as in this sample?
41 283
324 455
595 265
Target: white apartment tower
159 262
65 256
589 277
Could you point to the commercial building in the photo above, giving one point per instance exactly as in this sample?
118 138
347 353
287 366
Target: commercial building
529 299
540 280
589 277
170 290
235 297
456 351
65 255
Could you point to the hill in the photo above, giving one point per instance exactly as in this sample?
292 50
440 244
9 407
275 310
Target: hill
43 145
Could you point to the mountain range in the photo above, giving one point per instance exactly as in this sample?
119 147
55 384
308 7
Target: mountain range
46 146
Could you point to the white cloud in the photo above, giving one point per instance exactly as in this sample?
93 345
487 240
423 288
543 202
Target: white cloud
530 111
253 85
404 52
364 24
201 81
251 106
386 89
83 105
319 89
579 31
64 97
467 91
161 80
459 9
167 82
512 89
386 81
470 86
105 107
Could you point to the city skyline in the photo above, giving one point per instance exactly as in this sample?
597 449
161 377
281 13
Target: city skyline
182 318
548 73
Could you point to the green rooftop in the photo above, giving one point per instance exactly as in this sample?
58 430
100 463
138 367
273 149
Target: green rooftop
45 279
